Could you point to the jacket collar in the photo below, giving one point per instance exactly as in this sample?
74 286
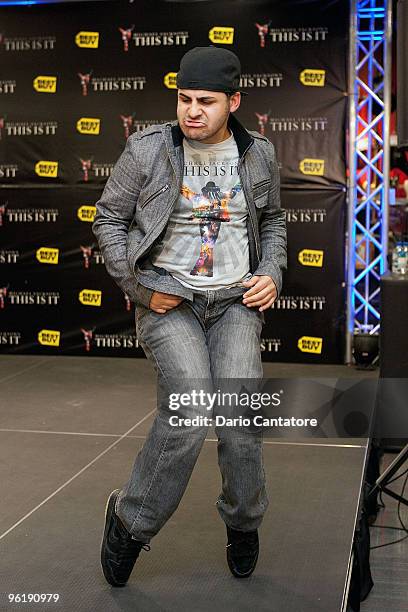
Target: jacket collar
242 137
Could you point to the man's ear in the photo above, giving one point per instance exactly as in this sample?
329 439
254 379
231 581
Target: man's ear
235 101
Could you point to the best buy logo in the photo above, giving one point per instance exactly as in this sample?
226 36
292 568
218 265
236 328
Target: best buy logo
309 344
49 337
47 168
90 297
314 167
221 35
170 80
87 213
47 255
312 78
88 125
309 257
88 40
45 84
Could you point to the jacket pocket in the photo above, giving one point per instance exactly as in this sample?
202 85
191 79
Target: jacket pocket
155 194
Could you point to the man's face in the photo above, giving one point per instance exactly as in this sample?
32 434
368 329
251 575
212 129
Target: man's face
203 115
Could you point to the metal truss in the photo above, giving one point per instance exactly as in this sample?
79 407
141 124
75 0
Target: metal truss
369 112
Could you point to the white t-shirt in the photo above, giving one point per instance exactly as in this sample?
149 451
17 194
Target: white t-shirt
206 242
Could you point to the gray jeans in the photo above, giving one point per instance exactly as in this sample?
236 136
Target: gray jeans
214 336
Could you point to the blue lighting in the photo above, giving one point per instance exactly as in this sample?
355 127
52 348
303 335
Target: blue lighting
368 247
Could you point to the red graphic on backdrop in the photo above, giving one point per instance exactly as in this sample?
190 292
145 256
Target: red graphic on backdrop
87 254
126 36
85 80
1 125
127 124
86 166
3 294
2 212
262 122
262 32
88 333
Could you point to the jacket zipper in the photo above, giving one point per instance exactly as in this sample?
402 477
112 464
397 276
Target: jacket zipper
264 182
162 190
249 210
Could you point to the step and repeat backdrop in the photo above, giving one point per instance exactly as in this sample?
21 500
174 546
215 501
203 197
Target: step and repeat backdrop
77 80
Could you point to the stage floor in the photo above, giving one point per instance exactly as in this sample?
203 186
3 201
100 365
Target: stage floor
70 428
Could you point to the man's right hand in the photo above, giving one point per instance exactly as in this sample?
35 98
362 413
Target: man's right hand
162 302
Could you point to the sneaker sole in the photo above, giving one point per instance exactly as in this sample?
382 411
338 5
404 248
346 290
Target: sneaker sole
109 509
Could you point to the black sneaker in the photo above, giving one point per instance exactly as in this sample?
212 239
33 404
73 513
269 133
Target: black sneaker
119 550
242 552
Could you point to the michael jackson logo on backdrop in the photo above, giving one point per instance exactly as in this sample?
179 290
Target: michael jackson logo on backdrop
45 84
90 297
88 333
85 78
289 35
262 122
9 257
313 167
33 298
86 213
3 295
47 169
299 302
155 39
260 80
306 215
89 253
312 78
127 302
32 43
7 86
110 83
47 255
126 34
270 345
86 255
31 215
142 124
8 171
29 128
263 29
49 337
10 338
99 170
2 123
131 125
2 212
127 124
298 124
108 341
221 35
86 165
310 344
87 40
311 257
89 125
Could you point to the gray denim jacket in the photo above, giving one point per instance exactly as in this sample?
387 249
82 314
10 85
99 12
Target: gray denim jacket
142 191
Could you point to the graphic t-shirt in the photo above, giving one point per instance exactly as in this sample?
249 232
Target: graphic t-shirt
206 242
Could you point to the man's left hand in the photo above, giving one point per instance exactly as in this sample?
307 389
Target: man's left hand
262 292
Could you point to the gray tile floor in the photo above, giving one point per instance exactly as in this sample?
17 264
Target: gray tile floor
70 428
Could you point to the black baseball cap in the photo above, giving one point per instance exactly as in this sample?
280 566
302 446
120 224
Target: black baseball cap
210 68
